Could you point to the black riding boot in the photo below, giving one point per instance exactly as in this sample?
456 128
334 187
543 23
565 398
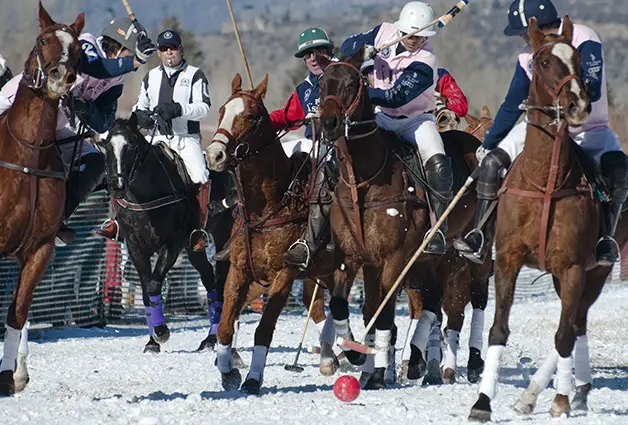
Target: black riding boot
440 179
302 251
615 169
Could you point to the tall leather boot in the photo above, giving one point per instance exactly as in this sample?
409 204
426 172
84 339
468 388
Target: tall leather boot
301 252
199 237
440 179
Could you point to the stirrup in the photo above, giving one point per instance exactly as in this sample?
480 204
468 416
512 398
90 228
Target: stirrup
305 264
607 238
204 234
112 220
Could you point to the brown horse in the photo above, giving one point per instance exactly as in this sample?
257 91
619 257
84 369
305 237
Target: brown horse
271 218
544 219
33 189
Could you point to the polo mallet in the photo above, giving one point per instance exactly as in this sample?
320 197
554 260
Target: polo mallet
237 34
359 346
442 21
294 367
132 17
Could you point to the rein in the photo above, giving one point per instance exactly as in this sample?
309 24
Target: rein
553 190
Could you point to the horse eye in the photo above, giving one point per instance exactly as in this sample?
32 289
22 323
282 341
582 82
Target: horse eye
44 42
545 64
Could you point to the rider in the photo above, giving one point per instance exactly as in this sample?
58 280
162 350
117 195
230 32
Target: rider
302 103
505 140
5 72
177 94
403 92
93 101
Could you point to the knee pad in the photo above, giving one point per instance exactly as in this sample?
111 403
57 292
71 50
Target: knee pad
439 173
492 165
615 168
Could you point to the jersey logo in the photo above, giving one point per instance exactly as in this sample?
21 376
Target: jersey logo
385 53
307 94
90 52
185 82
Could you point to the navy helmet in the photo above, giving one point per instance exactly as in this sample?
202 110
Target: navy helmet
520 11
168 38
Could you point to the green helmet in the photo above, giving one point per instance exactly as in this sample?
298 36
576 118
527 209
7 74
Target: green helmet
312 37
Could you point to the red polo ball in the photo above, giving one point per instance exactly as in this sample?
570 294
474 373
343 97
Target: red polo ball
347 388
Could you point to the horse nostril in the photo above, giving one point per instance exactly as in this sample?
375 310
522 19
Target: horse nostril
572 109
220 156
54 73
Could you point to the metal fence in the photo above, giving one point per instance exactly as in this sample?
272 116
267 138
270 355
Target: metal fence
93 282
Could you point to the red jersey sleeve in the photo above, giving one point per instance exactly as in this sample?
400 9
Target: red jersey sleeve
290 113
456 100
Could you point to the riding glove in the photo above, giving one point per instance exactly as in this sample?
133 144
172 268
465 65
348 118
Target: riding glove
169 111
144 48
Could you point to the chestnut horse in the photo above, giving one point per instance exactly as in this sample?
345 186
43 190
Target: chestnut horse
33 179
271 218
545 219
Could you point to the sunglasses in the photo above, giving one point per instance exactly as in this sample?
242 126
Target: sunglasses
314 52
169 47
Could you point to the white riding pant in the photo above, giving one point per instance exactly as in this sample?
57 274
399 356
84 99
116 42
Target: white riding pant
420 131
304 145
189 148
595 142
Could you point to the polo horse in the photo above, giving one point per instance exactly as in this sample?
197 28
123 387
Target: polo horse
32 197
153 218
547 216
273 196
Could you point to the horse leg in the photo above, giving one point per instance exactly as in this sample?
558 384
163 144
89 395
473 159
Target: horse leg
277 299
329 363
572 285
13 369
507 266
199 261
457 295
415 306
479 299
168 255
235 294
372 297
425 343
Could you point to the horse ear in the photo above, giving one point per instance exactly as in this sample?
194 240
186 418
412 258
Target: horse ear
567 28
45 20
261 89
236 84
536 35
485 113
357 58
471 120
78 24
133 120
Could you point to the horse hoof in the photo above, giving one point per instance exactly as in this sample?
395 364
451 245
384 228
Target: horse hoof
231 380
251 387
238 363
208 343
579 402
7 386
475 366
560 406
376 380
449 376
481 410
433 376
527 400
162 334
355 358
152 346
416 364
329 362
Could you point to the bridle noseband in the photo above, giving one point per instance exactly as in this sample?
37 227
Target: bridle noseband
39 77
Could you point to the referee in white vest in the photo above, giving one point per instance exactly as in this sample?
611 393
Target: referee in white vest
179 94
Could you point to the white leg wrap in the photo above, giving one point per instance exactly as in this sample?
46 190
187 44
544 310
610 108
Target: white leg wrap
23 349
423 329
488 385
433 345
545 372
477 329
236 328
224 358
326 329
564 381
405 354
342 327
11 346
451 353
382 341
258 363
582 363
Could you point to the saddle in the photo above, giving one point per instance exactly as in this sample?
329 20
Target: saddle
592 173
178 161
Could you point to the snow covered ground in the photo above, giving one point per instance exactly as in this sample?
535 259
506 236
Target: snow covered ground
100 376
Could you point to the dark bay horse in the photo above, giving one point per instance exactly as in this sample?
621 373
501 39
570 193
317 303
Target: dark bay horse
545 218
32 195
271 218
156 210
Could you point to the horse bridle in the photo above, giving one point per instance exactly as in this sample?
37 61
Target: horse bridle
239 148
556 110
348 111
40 76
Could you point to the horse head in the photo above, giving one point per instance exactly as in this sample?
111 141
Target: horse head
126 149
478 126
243 126
343 94
53 63
557 73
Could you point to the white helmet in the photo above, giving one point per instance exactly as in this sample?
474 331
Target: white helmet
415 15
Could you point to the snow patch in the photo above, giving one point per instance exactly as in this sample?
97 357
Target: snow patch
392 212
